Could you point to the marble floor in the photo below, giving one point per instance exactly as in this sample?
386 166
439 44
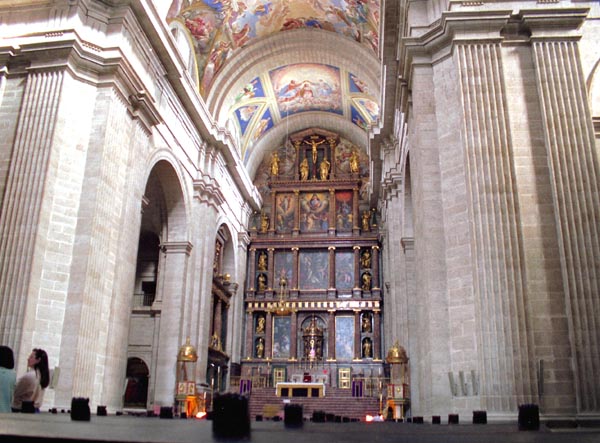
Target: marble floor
46 427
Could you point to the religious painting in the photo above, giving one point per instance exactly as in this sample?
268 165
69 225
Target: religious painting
285 212
370 107
344 337
344 152
343 210
344 270
284 263
358 119
218 28
356 85
244 114
282 331
314 211
307 87
263 125
254 89
314 270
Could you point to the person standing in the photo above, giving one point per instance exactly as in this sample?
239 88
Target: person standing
33 384
8 378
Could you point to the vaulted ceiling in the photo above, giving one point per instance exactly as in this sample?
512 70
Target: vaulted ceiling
270 68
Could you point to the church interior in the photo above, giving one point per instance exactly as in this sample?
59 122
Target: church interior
359 205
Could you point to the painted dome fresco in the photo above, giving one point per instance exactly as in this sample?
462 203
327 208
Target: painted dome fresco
275 66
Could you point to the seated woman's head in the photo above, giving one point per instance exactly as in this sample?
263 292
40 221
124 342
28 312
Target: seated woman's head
7 358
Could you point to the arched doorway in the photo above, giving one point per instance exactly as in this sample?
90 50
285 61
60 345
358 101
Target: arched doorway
136 390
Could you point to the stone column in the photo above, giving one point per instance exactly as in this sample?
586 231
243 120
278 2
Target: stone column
175 260
572 156
273 214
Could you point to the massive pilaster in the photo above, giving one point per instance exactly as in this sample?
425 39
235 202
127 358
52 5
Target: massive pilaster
574 176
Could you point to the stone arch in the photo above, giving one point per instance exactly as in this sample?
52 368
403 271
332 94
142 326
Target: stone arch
165 207
136 389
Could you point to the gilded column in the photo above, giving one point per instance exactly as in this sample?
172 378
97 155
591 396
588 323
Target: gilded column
375 269
296 230
294 337
271 270
357 342
331 337
331 290
273 213
355 216
251 269
268 335
295 270
217 318
332 212
377 334
357 285
249 334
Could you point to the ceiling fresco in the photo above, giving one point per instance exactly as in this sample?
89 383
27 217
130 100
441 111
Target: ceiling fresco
222 31
296 88
219 27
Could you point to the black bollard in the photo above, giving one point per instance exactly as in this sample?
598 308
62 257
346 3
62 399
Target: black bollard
479 417
80 409
231 417
452 419
436 420
529 417
292 415
318 416
101 411
27 407
166 412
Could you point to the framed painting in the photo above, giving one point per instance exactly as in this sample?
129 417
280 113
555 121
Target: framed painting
283 262
314 211
344 337
314 270
343 211
344 270
282 331
285 212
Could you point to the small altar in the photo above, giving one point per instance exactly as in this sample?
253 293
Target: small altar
296 389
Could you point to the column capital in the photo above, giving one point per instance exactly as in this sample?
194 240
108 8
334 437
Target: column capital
176 247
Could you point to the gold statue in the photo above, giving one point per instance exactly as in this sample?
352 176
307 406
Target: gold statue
260 348
365 221
264 223
260 325
365 259
367 348
354 162
262 261
324 168
366 281
314 145
275 165
304 169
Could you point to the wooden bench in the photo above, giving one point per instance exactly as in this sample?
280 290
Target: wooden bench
271 410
